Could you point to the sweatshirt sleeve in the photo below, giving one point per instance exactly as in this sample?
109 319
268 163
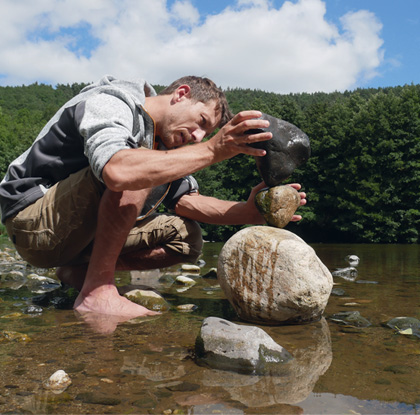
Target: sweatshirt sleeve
107 127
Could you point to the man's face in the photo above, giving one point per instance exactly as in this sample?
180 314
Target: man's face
187 121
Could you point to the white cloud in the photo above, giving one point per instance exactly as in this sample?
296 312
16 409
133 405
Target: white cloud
185 13
250 44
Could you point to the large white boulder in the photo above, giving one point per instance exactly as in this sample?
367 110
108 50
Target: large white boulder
271 276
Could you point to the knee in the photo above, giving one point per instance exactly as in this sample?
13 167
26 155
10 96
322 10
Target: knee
193 239
188 241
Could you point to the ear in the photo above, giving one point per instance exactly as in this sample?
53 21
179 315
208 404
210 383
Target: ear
182 92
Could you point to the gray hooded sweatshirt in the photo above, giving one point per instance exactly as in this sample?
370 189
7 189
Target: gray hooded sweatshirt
106 117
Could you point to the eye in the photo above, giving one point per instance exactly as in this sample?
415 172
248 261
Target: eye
203 121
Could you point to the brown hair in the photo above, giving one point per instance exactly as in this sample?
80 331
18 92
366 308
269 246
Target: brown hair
203 90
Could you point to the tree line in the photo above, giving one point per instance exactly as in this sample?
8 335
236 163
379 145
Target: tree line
362 179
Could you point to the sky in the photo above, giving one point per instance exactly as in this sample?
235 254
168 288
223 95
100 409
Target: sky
277 46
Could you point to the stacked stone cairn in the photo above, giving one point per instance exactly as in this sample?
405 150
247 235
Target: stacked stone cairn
269 274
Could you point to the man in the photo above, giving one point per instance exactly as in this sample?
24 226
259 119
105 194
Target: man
73 200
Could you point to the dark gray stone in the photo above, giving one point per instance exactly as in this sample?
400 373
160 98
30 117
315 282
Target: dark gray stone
405 325
351 318
288 149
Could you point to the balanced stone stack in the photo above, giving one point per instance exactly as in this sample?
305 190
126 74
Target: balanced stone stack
268 274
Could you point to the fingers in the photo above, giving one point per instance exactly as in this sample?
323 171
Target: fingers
244 128
297 186
247 115
296 218
303 201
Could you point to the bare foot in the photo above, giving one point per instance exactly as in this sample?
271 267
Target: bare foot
106 300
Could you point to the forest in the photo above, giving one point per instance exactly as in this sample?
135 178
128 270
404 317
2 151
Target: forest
362 179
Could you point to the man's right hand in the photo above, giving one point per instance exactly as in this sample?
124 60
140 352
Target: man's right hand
232 139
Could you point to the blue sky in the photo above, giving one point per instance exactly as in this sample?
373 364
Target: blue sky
280 46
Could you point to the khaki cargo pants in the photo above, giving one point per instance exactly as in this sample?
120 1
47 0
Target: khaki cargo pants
59 228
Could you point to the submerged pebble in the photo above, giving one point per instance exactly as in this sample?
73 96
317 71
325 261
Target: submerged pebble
186 308
14 336
211 273
182 279
58 382
351 318
149 299
408 326
191 268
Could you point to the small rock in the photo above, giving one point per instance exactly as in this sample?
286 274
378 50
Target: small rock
352 260
58 382
148 299
182 279
39 284
201 263
277 204
211 273
33 309
14 336
190 268
186 308
106 380
351 318
405 325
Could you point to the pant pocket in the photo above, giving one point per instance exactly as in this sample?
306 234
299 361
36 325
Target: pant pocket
27 235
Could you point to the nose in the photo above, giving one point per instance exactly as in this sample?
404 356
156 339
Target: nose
198 135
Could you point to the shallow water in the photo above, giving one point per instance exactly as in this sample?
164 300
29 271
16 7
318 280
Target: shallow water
148 366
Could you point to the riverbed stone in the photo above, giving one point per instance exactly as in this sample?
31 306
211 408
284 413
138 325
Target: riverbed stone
190 268
285 151
271 276
211 273
183 279
277 204
405 325
58 382
311 359
149 299
350 318
224 345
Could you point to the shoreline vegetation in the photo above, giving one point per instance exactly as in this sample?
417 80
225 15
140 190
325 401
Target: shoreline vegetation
362 179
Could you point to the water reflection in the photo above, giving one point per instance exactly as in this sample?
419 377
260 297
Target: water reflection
148 366
296 383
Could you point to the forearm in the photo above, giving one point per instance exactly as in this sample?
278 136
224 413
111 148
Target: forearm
134 169
143 168
218 212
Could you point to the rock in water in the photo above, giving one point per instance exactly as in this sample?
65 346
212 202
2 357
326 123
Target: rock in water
277 204
288 149
271 276
148 299
228 346
58 382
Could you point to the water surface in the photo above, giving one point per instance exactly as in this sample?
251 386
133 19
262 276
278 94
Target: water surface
148 366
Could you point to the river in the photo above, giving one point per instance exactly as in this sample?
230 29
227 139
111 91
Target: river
148 366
